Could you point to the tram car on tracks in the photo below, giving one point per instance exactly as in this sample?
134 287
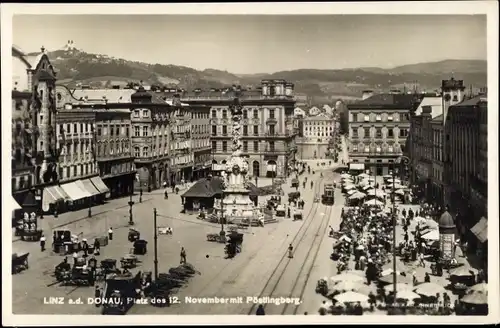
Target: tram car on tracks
328 197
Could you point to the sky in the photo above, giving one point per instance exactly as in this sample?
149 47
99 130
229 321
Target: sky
248 44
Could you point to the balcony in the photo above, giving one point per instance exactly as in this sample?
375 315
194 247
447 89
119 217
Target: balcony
272 120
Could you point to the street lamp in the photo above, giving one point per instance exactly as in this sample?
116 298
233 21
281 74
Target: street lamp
400 160
131 217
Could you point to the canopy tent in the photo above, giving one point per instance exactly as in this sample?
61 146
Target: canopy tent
352 191
407 295
351 297
74 192
376 192
431 224
463 271
357 195
431 235
349 187
400 286
429 289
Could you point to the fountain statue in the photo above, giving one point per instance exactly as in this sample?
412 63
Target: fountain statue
236 204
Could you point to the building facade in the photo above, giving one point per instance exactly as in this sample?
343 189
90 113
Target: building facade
200 125
465 170
182 142
315 138
268 126
437 176
378 128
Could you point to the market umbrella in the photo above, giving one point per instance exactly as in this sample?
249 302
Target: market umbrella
376 192
396 180
400 192
429 289
406 295
389 279
367 289
363 175
387 176
371 179
351 297
400 286
349 187
475 297
374 202
400 266
345 175
347 276
348 285
431 235
357 195
432 224
463 271
420 220
351 192
481 287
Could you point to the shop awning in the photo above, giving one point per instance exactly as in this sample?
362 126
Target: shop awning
15 205
74 192
63 195
100 185
88 186
357 166
481 230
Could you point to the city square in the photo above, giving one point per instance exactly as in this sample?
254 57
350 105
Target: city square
155 189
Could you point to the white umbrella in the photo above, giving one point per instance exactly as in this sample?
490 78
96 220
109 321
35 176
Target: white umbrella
393 179
363 175
357 195
431 235
347 276
352 191
351 297
374 202
376 192
345 175
371 179
420 220
368 187
400 192
349 187
400 286
387 176
406 295
431 224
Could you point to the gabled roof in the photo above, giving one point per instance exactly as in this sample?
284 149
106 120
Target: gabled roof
205 188
471 102
34 59
435 103
438 118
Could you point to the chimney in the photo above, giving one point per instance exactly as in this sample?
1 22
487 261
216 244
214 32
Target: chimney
367 94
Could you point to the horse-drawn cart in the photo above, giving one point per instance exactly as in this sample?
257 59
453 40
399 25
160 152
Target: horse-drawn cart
297 215
217 237
19 262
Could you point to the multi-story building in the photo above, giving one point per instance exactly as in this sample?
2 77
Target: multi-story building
181 144
268 125
34 111
378 128
437 176
465 169
316 136
200 127
421 144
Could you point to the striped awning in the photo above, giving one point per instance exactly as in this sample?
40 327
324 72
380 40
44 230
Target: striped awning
74 192
15 205
87 185
100 185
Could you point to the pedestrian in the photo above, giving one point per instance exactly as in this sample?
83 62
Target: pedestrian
42 243
97 247
110 233
97 296
183 255
322 309
75 258
166 194
290 251
140 195
260 310
427 277
85 247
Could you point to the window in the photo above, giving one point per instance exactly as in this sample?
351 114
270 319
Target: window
68 172
145 113
379 117
75 171
145 151
145 131
75 128
455 98
117 130
271 130
379 133
390 133
271 113
245 130
255 113
136 113
366 132
355 117
255 130
389 117
69 128
403 132
245 114
379 149
367 149
355 133
367 118
214 130
224 146
355 148
224 113
81 127
396 117
245 146
127 132
61 129
214 113
271 145
112 130
402 147
137 131
224 130
256 146
214 145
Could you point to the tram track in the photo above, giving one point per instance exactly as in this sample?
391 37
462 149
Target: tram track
238 270
275 278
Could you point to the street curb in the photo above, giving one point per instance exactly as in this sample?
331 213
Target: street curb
85 217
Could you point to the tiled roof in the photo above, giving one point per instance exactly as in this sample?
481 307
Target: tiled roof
438 118
403 100
34 59
205 188
435 103
112 95
470 102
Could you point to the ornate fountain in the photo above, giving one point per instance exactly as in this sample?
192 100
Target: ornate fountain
236 204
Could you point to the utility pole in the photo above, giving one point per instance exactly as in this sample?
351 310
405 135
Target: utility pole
155 245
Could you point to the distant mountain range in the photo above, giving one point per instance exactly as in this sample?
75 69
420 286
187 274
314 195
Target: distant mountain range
76 66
